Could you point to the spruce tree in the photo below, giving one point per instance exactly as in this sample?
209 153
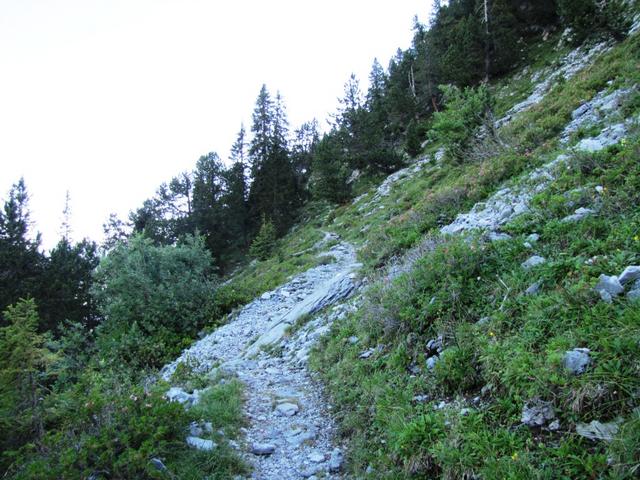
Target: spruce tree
24 368
21 263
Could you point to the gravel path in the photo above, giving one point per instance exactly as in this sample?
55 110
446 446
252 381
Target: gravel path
291 431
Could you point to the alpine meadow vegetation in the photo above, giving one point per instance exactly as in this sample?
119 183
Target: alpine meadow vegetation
454 339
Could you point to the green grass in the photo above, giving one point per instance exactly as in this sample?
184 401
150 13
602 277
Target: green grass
515 356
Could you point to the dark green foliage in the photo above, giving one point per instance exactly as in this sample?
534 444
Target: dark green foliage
153 298
108 427
329 180
67 281
587 17
264 244
274 188
456 126
21 263
24 370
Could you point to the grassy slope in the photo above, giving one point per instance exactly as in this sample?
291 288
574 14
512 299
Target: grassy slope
517 355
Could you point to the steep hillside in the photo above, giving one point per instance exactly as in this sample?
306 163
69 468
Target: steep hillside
495 332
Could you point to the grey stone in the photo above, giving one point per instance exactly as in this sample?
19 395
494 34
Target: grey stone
598 431
287 409
498 236
579 214
310 471
266 296
335 461
367 353
554 426
533 261
195 430
608 287
263 449
301 437
158 465
577 360
534 288
435 345
634 293
421 398
176 394
630 274
316 457
431 362
353 340
483 321
201 443
533 238
537 413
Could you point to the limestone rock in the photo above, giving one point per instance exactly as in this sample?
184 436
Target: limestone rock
630 274
335 461
579 214
577 360
287 409
537 413
201 443
598 431
263 449
533 261
608 287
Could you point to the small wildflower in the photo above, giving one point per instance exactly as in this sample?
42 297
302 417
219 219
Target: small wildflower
637 238
491 334
514 457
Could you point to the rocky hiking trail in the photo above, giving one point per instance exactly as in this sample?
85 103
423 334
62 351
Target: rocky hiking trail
290 433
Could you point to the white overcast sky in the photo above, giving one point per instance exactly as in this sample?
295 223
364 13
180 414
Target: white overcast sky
109 98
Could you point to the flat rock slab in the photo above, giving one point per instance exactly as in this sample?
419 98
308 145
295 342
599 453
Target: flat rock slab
287 409
201 443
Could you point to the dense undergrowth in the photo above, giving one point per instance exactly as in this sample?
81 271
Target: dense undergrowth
462 418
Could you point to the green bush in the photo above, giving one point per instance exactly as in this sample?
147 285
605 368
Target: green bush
264 244
110 428
153 299
455 126
588 16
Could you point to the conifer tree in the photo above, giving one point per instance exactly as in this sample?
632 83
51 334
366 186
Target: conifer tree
23 374
21 263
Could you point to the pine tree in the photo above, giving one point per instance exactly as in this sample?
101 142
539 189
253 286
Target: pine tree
21 263
330 173
23 375
263 245
273 192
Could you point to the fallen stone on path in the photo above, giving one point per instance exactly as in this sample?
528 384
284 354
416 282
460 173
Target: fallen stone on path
335 461
263 449
287 409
